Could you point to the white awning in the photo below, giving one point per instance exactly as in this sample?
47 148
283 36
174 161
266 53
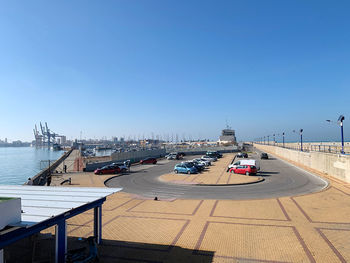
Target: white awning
43 202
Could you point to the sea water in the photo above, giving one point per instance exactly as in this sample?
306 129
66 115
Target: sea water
17 164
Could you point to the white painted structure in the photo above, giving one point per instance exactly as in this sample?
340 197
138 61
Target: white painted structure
43 207
10 211
41 202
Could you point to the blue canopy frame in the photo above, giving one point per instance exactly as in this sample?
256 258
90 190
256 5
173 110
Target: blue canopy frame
16 233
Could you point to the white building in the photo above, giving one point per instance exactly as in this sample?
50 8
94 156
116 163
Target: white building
227 137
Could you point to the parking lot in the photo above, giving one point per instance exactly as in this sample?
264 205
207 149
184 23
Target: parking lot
216 174
294 228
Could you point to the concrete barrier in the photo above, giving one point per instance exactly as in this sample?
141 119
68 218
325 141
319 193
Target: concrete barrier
40 178
203 150
137 156
336 165
134 157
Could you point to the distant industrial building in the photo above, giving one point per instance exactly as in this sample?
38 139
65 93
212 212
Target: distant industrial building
228 137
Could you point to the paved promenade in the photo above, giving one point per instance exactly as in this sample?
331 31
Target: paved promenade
73 162
309 228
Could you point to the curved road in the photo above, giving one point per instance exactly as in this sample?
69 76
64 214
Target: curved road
281 179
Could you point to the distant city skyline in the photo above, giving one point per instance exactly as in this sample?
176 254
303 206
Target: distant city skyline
128 68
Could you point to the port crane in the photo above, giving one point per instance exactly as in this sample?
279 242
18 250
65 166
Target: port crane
46 137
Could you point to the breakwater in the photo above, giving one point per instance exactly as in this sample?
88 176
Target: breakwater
41 177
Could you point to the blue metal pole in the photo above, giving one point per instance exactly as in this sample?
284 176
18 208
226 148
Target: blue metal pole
342 138
301 141
283 139
61 242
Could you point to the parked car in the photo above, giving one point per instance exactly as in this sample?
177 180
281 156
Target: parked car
264 156
214 154
124 166
182 154
244 169
208 158
206 163
185 168
200 167
173 156
149 160
244 162
242 155
108 169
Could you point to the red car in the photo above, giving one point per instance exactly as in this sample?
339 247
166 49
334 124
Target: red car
149 160
108 169
244 169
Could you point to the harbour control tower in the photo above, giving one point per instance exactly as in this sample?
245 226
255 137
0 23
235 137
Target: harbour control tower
228 137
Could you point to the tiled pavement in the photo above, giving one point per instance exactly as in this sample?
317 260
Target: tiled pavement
309 228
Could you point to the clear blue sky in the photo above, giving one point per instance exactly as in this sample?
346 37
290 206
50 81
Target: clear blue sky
113 68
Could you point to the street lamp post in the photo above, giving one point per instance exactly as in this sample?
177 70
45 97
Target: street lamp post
274 139
283 139
301 139
342 135
340 122
264 140
268 139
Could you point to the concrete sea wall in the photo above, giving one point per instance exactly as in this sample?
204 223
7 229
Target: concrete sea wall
203 150
123 156
40 178
336 165
330 147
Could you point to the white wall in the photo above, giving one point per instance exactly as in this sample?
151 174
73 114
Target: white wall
10 212
336 165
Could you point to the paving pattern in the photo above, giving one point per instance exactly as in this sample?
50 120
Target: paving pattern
306 228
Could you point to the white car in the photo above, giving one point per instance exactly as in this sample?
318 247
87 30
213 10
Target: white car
172 156
244 162
208 158
205 162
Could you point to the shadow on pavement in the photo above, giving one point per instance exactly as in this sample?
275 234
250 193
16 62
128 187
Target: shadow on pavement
41 248
120 251
267 173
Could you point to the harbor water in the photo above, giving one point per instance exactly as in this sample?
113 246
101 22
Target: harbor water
17 164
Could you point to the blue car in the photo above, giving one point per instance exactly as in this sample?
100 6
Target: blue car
185 168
